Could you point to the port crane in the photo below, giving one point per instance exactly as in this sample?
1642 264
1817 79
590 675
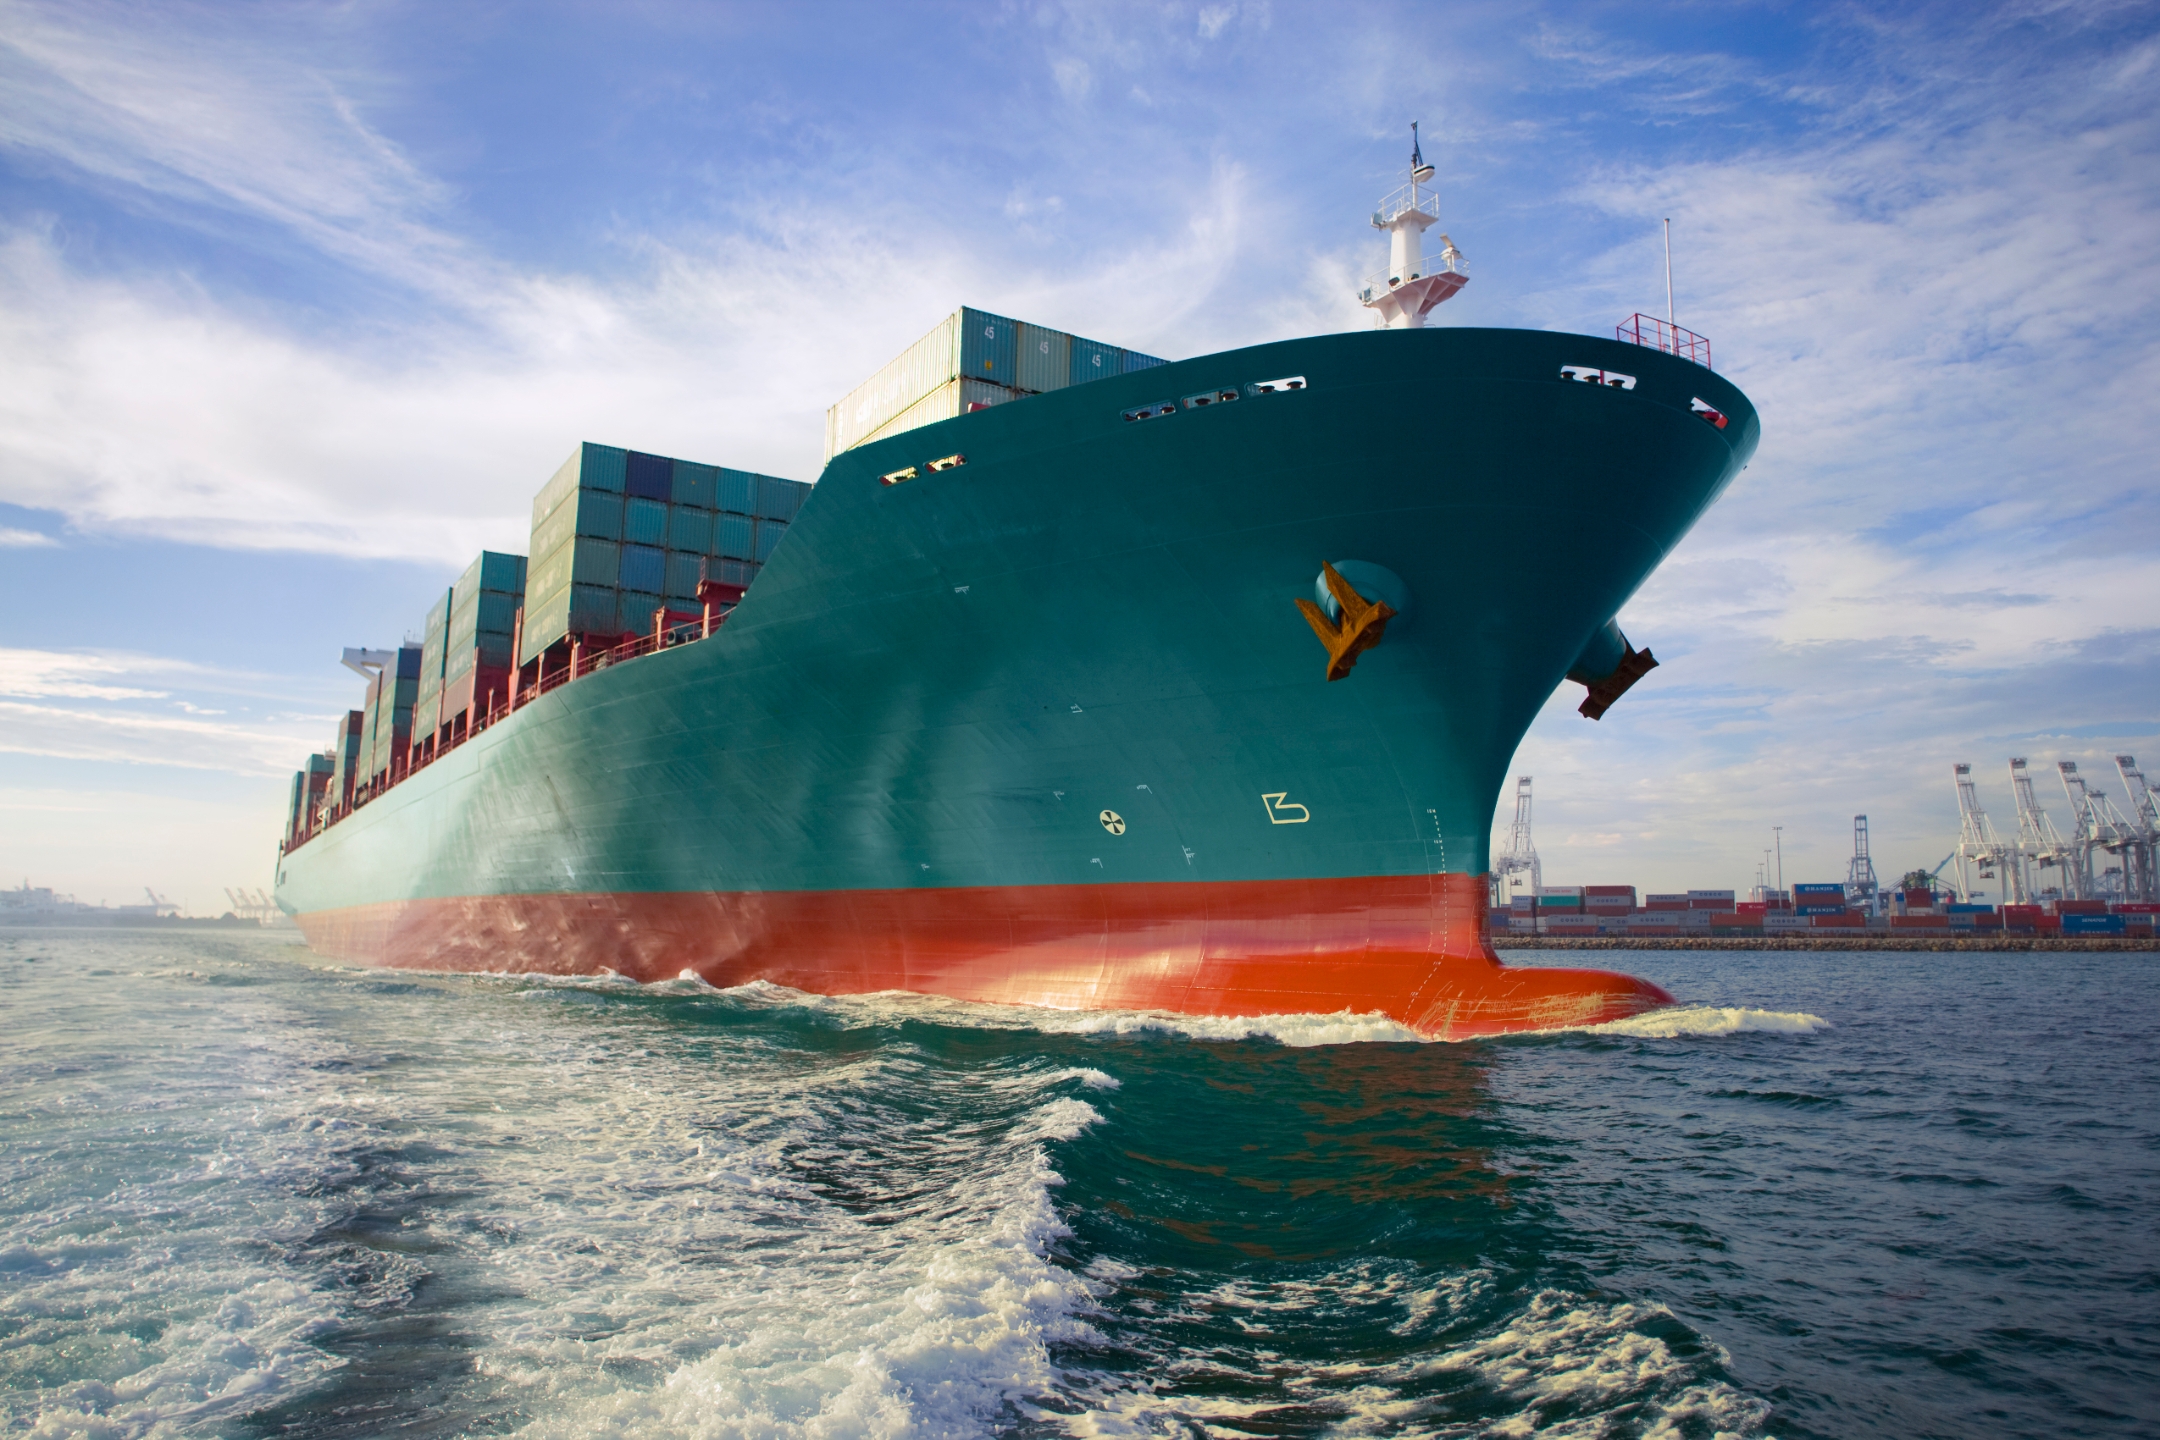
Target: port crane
2040 846
1979 848
2142 858
2098 830
1860 886
1519 858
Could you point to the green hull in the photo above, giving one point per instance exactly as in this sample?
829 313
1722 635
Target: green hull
944 683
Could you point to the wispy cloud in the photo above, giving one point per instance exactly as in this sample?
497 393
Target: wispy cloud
134 723
11 539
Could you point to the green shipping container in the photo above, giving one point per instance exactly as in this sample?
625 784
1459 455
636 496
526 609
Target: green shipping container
696 485
690 531
590 467
645 522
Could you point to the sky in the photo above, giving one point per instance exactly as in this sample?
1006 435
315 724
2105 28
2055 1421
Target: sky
300 303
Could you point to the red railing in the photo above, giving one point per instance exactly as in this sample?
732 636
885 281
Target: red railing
679 628
1656 334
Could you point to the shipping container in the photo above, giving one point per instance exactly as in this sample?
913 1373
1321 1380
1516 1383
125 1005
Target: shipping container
2080 907
952 399
477 691
696 485
1093 360
989 347
689 531
972 345
735 537
491 612
2080 922
682 577
1710 895
590 467
1679 895
635 611
780 499
435 644
1134 360
584 561
644 522
1559 890
648 477
1622 890
769 534
738 492
1045 359
597 513
644 568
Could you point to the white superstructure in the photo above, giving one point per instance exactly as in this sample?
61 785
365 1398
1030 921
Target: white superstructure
1406 292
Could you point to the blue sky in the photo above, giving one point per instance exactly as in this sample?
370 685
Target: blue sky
299 304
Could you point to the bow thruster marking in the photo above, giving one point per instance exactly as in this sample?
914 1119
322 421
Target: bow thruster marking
1113 822
1279 808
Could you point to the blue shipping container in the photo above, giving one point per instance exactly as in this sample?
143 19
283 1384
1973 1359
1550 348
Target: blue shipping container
738 492
696 484
644 568
1093 360
592 611
635 613
735 536
989 347
644 522
769 534
1134 360
649 477
690 530
682 579
779 499
2093 924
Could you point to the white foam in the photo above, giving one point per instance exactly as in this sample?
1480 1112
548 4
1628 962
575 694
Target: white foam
1565 1352
1677 1020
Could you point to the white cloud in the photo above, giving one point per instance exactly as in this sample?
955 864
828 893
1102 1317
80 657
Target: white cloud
117 727
11 539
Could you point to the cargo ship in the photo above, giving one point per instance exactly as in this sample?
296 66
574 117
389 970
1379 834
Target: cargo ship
1179 686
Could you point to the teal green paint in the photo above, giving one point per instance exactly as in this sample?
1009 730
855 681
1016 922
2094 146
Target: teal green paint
942 682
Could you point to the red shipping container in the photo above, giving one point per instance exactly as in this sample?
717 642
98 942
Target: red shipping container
2079 907
1919 922
2024 914
2136 907
1626 891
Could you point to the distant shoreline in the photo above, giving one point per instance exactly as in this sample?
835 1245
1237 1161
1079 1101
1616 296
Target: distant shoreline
1825 940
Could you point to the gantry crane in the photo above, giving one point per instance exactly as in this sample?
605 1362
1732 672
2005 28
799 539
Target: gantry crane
2041 847
1860 886
2142 861
1979 847
2099 830
1519 858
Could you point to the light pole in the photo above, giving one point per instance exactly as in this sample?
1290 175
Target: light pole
1779 832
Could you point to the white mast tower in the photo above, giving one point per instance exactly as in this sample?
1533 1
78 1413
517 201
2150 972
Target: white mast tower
1405 293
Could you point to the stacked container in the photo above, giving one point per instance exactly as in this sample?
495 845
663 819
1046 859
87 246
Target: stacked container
345 758
619 534
310 788
1824 899
1609 901
395 694
481 633
969 360
434 642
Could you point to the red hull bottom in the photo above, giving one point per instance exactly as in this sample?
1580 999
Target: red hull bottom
1413 948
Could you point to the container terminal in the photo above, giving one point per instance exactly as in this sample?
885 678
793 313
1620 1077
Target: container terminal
2052 885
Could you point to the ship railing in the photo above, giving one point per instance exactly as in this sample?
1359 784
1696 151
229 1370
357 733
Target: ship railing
1655 334
1382 281
668 637
1402 201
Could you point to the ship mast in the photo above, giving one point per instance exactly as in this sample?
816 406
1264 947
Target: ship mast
1406 292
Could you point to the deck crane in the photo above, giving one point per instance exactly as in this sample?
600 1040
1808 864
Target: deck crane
2040 846
2145 817
2099 829
1979 846
1520 856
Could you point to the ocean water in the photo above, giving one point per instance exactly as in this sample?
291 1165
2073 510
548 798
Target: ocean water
246 1192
